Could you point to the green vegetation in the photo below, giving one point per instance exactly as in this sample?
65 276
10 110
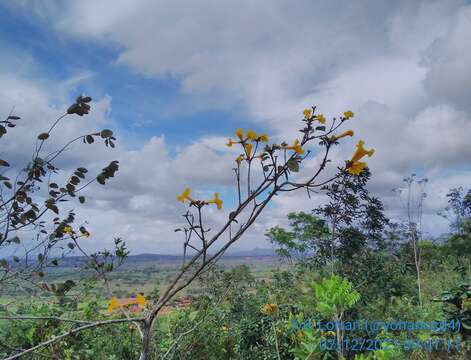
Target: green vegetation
349 283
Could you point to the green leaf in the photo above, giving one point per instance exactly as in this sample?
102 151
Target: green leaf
106 133
15 239
7 184
108 267
43 136
81 199
293 165
3 263
101 179
193 315
52 207
79 174
89 139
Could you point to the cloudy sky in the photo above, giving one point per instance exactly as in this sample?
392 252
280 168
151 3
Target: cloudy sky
174 79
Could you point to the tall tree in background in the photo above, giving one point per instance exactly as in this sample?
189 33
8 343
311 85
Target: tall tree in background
458 213
306 241
355 218
414 195
342 231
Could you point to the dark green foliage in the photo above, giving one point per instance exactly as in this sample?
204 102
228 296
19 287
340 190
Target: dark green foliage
306 237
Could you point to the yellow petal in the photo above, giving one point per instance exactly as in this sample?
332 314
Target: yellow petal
360 152
348 114
217 201
248 149
344 134
240 133
307 113
263 138
252 135
184 195
320 118
140 300
68 229
113 304
356 168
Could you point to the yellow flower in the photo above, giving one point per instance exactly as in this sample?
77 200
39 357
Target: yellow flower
185 195
355 166
112 305
140 300
346 133
307 113
229 142
361 152
296 147
240 133
248 149
239 159
269 309
251 135
263 138
348 114
216 200
68 230
320 118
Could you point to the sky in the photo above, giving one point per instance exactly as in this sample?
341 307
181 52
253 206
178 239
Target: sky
175 79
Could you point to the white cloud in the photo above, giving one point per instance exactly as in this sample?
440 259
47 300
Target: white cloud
403 67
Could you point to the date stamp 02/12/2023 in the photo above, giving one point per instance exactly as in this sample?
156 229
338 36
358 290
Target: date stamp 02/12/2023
445 342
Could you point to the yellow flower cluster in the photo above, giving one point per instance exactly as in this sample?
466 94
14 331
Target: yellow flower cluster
321 118
185 195
308 115
116 303
296 147
269 309
355 166
250 135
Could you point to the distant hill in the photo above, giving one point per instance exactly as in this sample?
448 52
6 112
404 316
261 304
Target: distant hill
72 261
